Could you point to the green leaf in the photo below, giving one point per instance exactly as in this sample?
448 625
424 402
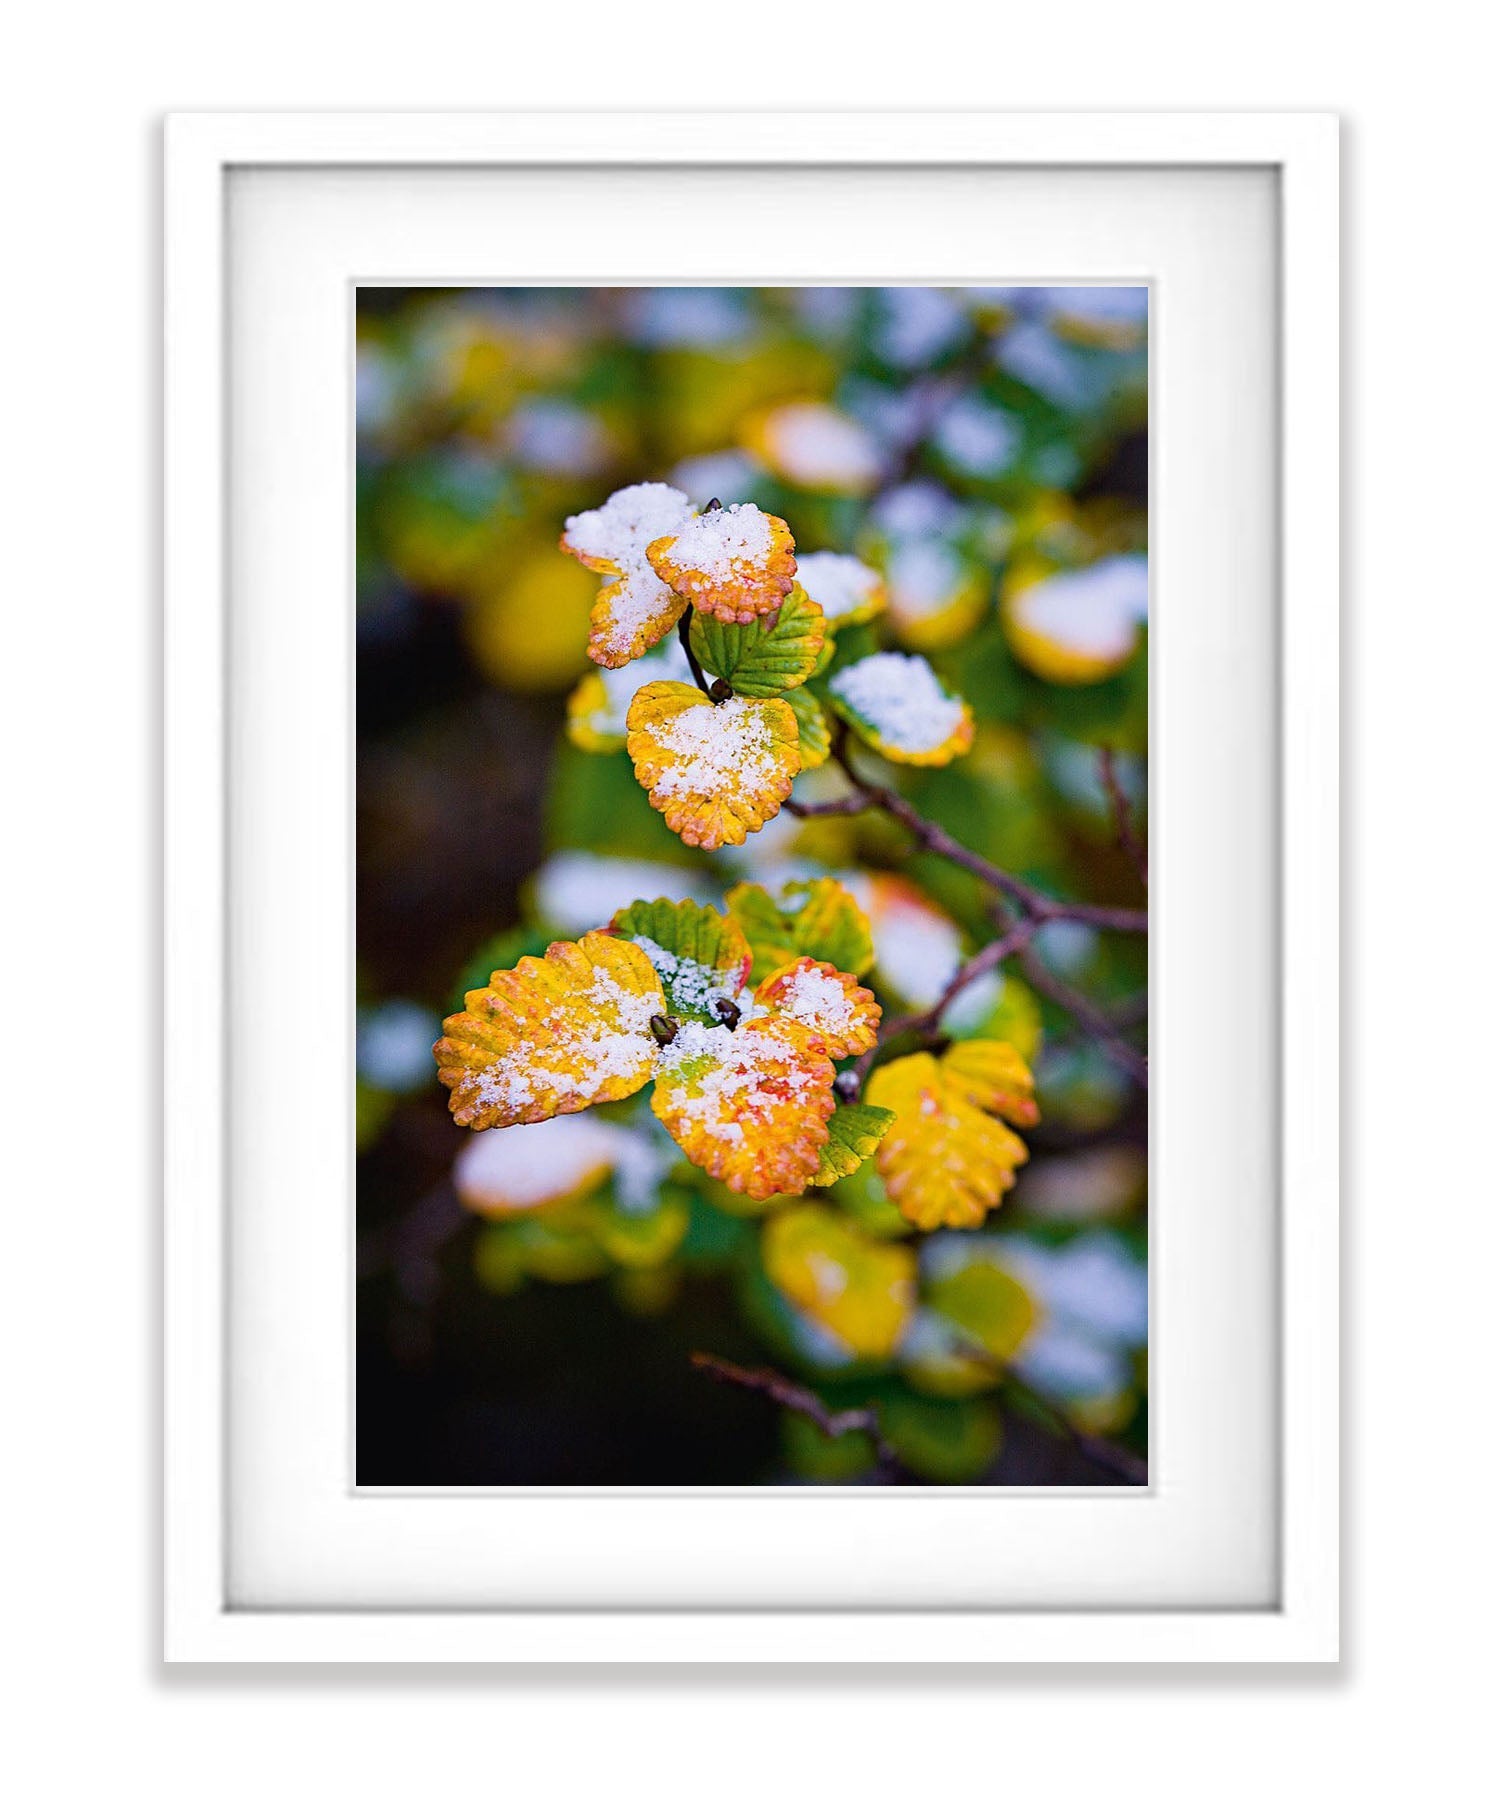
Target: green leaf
820 919
988 1306
814 739
759 660
701 956
853 1133
945 1440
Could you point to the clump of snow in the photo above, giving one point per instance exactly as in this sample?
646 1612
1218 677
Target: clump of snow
1092 611
729 541
917 324
517 1167
690 986
745 1078
816 999
576 891
717 751
617 534
837 583
816 446
901 699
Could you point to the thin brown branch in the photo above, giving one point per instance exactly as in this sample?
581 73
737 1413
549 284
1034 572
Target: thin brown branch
1032 903
1101 1452
796 1399
930 1020
1125 831
685 638
1094 1021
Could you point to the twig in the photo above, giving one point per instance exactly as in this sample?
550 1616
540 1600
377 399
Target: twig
990 957
685 637
1101 1452
1125 831
1033 904
1098 1024
797 1399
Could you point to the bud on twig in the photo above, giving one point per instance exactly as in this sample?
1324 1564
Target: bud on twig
728 1012
662 1029
846 1087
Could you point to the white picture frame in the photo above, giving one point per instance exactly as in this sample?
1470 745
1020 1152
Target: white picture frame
204 1619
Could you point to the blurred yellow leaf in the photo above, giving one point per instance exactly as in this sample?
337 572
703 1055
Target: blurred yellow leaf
860 1290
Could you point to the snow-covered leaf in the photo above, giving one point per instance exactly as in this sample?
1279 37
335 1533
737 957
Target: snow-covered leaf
899 707
748 1106
701 957
553 1035
849 591
714 772
838 1012
735 562
636 607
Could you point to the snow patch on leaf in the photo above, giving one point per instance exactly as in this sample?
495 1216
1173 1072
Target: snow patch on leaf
898 706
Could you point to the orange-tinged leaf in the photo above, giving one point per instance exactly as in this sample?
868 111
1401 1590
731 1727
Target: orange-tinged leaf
735 562
859 1289
553 1035
947 1160
831 1005
714 772
636 608
749 1106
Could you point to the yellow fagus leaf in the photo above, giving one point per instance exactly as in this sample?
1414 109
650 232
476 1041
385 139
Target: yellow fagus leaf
636 607
814 739
735 562
900 708
947 1160
701 957
505 1174
935 598
849 592
553 1035
861 1291
715 772
1080 625
853 1134
763 658
818 918
943 1440
748 1106
832 1006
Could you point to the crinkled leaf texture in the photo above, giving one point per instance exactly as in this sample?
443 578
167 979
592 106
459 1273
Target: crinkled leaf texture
553 1035
854 1133
949 1157
839 1013
763 659
862 1291
700 956
749 1106
714 772
814 739
818 918
734 562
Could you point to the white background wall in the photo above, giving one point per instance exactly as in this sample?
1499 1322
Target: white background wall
83 88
